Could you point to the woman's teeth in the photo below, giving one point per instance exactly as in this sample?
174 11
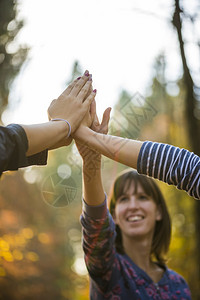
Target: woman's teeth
134 218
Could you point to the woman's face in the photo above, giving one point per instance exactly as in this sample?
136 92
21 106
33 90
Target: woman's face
136 213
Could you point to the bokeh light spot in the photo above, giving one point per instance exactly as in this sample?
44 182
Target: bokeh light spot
32 256
43 238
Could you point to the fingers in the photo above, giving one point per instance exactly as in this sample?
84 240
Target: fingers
89 99
105 121
103 127
68 90
93 110
95 124
90 90
75 86
82 85
84 90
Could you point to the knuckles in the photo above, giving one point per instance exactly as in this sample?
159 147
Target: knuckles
84 90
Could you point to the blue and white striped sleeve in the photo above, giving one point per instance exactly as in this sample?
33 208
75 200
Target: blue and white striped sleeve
172 165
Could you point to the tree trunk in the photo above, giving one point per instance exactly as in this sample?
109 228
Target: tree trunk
193 126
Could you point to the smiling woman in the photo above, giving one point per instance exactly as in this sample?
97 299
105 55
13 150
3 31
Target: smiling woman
139 203
125 252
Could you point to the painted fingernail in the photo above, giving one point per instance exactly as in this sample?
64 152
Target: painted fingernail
94 91
90 77
86 73
78 78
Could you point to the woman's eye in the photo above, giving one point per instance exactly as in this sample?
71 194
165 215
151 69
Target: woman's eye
143 197
123 199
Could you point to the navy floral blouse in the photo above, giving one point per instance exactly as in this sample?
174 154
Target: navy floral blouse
114 276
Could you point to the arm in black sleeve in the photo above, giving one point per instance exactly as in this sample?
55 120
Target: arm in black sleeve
13 147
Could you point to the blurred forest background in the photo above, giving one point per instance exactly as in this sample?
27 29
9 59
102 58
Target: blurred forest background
40 244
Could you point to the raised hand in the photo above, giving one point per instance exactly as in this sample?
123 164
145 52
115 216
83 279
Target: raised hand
74 102
91 158
92 183
91 120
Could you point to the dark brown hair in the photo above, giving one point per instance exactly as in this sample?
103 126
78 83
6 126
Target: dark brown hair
162 233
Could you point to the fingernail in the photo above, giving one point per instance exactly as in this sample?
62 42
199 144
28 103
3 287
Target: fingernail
78 78
86 73
94 91
90 77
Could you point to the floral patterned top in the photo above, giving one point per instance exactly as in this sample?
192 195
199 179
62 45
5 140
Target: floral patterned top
114 276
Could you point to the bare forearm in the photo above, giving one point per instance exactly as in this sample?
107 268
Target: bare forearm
44 136
93 192
119 149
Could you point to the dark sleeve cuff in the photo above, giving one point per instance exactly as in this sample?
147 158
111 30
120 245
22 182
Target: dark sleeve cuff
22 160
96 212
39 159
19 140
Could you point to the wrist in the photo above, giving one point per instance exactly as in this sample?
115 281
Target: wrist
91 172
81 133
63 126
94 159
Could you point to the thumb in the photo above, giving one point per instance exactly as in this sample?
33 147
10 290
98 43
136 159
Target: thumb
105 120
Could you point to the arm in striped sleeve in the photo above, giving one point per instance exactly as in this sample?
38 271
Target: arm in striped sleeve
172 165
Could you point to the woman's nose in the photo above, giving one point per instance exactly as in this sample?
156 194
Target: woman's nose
133 203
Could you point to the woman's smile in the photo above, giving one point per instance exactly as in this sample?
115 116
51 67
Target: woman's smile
136 212
135 218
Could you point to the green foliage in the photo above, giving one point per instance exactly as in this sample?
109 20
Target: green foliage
12 55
